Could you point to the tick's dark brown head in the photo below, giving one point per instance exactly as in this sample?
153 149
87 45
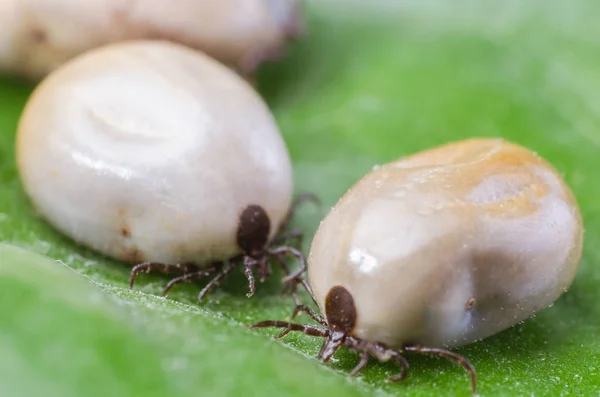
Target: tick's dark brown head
253 230
341 318
340 310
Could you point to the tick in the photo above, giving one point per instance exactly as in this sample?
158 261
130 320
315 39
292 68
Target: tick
150 152
39 37
441 249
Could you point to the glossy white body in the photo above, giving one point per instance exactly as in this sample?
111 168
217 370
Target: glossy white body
149 151
40 35
416 240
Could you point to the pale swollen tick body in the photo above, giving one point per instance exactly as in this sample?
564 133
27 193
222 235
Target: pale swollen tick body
39 36
441 249
150 152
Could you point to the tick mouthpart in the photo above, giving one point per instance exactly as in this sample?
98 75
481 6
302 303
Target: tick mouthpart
333 342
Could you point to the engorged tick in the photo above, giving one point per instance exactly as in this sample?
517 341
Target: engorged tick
158 154
441 249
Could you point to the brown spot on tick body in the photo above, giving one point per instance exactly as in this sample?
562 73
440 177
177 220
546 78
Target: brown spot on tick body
253 230
125 232
38 35
470 304
340 310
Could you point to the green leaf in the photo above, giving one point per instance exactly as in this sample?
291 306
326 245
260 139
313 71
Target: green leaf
372 81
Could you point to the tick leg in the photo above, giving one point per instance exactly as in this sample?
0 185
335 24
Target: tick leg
294 252
227 269
295 234
295 276
248 263
401 361
364 359
264 269
188 277
305 309
460 360
299 200
283 333
292 286
309 330
148 267
380 352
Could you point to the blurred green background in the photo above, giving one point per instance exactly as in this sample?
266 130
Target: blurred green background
371 82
